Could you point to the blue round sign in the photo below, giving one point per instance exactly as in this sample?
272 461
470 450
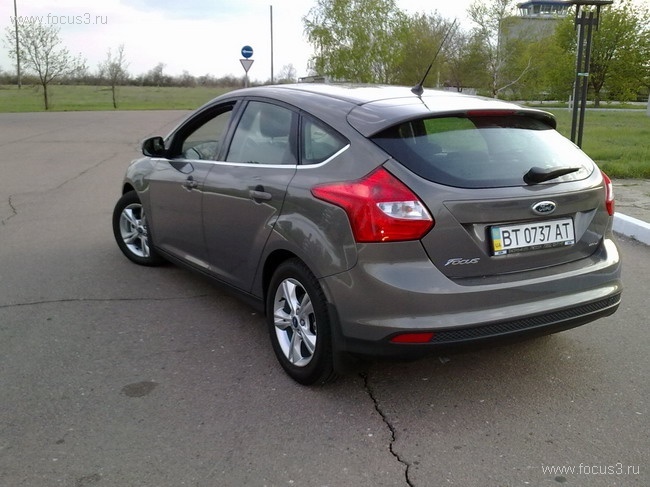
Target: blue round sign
247 51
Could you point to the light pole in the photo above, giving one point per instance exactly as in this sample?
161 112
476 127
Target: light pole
17 46
583 61
271 18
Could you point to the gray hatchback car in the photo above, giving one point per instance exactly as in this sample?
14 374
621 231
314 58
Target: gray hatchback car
369 221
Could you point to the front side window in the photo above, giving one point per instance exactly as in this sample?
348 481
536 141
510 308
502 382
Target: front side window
265 135
205 141
482 151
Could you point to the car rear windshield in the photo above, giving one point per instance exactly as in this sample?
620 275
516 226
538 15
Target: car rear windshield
482 151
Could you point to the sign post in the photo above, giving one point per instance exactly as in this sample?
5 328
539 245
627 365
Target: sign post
585 25
247 53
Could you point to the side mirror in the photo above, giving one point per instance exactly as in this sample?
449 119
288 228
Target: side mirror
154 147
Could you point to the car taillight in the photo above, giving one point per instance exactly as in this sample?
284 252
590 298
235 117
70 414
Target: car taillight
380 207
609 194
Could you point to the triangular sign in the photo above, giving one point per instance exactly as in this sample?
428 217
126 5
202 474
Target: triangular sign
246 63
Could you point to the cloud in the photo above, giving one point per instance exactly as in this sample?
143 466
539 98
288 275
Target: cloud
191 9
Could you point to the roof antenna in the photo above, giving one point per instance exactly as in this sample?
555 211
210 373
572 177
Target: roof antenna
419 88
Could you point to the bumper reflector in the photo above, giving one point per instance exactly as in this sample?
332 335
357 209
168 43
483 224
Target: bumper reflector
413 338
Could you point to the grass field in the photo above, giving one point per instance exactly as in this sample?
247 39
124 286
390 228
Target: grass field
72 98
619 141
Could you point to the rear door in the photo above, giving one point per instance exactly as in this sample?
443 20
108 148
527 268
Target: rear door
244 193
471 171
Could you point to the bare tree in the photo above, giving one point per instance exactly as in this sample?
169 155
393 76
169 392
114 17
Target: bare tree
114 70
288 74
41 51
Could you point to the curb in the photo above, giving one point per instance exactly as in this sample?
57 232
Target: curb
632 227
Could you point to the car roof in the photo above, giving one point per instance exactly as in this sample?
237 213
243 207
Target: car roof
373 108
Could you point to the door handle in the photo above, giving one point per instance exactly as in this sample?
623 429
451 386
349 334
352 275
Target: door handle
258 194
190 183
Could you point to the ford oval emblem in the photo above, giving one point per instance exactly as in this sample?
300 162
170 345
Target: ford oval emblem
544 207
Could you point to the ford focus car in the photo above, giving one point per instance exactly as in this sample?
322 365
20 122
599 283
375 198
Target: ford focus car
370 221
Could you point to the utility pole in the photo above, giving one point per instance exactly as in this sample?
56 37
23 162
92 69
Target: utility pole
17 46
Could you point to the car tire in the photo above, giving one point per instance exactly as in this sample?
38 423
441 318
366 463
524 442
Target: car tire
131 231
299 325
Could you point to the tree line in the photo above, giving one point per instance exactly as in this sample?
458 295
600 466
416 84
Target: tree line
48 61
373 41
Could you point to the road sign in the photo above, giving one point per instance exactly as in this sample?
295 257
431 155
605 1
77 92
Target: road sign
246 64
247 52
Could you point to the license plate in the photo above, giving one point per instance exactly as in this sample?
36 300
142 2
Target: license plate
508 239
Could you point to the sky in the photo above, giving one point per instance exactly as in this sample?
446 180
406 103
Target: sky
198 36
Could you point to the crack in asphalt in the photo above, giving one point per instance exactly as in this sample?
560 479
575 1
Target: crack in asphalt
14 211
32 136
85 171
391 428
98 300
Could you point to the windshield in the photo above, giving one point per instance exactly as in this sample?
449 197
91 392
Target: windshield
482 151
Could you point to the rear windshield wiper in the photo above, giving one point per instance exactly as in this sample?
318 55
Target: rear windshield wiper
538 175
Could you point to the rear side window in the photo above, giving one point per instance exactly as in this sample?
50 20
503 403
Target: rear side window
319 142
265 135
482 151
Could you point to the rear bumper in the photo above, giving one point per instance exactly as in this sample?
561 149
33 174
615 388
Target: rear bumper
376 302
486 334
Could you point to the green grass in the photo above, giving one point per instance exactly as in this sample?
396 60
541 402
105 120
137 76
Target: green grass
619 141
74 98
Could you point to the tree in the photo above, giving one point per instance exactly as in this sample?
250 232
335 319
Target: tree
186 80
499 47
619 53
288 74
41 51
464 53
156 76
114 70
355 40
551 74
422 39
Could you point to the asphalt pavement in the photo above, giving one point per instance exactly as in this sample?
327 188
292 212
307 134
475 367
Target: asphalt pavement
116 375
